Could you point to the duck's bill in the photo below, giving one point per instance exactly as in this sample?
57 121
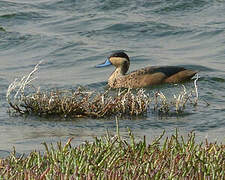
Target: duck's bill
106 63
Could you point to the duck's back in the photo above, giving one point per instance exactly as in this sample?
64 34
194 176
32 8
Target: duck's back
158 74
167 70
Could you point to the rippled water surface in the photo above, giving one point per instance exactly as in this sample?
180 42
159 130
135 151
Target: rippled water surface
72 36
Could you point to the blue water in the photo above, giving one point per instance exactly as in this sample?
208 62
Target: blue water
72 36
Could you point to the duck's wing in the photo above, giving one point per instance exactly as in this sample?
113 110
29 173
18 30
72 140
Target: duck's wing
166 70
158 74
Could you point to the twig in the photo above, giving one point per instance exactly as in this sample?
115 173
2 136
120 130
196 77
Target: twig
196 90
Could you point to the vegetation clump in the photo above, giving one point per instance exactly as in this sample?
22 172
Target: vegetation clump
23 98
109 157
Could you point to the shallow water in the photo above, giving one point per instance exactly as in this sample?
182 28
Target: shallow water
72 36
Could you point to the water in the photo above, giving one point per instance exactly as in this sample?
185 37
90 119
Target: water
72 36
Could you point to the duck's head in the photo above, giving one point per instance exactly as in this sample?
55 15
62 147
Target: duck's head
119 59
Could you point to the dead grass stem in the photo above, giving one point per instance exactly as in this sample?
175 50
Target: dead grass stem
23 97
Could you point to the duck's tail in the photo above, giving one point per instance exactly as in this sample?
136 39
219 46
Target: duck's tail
181 76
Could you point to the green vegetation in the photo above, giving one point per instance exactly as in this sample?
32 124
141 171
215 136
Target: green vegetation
2 29
117 158
24 98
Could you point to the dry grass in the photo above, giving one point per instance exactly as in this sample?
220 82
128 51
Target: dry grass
23 98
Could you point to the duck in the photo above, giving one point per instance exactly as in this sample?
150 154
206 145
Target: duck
144 77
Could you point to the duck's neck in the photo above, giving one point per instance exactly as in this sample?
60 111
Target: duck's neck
115 76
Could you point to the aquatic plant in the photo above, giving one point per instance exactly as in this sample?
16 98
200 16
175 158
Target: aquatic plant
23 97
2 29
112 157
